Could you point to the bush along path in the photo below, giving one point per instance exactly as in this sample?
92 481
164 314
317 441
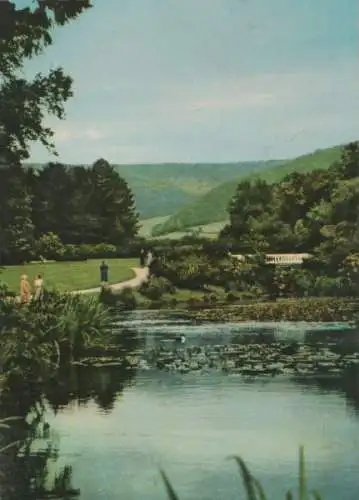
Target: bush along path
141 276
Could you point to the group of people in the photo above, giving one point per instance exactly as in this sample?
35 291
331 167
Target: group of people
26 290
146 258
35 292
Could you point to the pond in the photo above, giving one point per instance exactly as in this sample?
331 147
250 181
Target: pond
117 427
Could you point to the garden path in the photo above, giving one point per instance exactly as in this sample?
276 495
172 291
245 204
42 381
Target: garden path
141 275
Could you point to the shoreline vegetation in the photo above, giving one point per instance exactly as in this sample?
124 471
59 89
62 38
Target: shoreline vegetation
218 308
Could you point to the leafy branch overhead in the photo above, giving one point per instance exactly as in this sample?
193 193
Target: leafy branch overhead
24 103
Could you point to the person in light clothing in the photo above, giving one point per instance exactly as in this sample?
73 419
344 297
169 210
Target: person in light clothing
149 258
25 289
38 287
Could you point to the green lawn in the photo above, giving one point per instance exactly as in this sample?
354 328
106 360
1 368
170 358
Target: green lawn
69 276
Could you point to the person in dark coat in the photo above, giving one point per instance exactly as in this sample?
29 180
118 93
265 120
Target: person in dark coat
142 257
104 272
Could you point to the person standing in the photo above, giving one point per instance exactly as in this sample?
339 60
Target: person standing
25 289
149 258
142 257
104 272
38 287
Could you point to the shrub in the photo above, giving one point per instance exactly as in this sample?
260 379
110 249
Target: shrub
193 303
157 304
330 287
72 253
100 251
206 298
49 246
126 299
104 251
107 297
231 297
5 292
156 287
173 302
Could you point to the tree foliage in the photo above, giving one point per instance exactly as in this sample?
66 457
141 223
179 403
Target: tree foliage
315 212
24 103
42 210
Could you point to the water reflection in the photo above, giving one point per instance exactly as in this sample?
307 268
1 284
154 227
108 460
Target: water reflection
82 384
347 386
28 461
28 473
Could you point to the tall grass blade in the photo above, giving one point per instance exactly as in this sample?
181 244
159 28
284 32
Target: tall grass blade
302 486
172 495
289 495
259 488
247 479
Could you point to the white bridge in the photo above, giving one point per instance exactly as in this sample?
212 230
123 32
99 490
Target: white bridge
280 259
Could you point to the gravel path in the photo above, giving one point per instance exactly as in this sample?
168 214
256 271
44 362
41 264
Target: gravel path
141 275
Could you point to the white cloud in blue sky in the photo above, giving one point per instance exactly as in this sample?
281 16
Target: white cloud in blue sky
207 80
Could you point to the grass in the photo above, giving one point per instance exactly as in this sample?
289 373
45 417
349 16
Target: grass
69 276
212 207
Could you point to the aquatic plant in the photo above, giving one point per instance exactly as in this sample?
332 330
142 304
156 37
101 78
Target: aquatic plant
313 309
58 329
83 323
253 488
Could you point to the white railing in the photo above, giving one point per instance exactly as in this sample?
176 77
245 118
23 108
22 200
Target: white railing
281 259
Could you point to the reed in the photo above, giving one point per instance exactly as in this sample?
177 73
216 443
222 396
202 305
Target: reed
252 486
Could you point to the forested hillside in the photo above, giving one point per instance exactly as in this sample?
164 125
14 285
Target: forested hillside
212 206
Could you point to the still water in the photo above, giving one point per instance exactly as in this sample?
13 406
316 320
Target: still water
120 428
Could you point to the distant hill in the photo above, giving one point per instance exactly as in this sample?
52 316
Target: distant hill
212 206
146 225
163 189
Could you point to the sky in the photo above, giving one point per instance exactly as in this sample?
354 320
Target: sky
206 80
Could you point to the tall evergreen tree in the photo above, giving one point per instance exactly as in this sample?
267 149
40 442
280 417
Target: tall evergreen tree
112 202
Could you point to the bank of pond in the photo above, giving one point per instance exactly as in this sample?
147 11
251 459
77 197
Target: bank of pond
219 307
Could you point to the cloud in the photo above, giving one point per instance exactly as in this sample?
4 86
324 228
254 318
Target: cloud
79 131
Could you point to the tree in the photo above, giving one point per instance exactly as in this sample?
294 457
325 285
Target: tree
16 227
112 203
250 201
25 33
53 203
348 165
